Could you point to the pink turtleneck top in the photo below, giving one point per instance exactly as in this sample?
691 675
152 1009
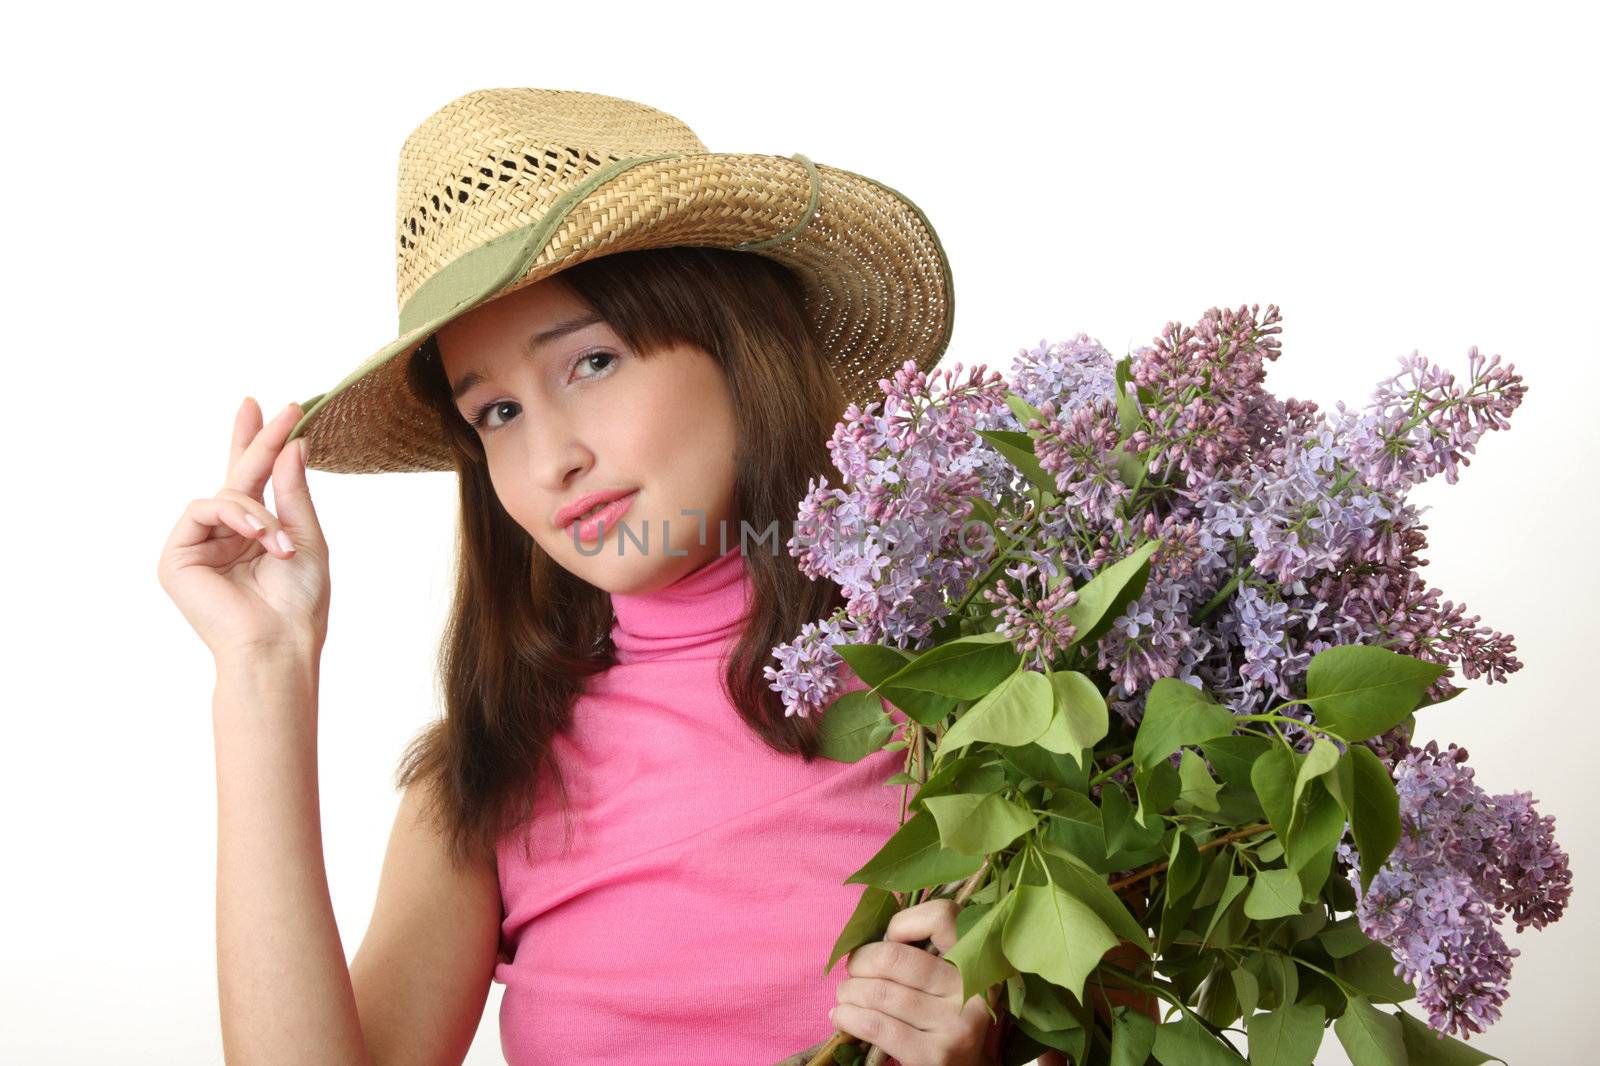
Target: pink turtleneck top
704 889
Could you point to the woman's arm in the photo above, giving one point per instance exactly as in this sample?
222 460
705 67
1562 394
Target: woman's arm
283 985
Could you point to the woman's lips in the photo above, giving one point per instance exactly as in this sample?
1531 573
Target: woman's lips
610 514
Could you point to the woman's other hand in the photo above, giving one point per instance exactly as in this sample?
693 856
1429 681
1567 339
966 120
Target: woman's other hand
907 1000
247 579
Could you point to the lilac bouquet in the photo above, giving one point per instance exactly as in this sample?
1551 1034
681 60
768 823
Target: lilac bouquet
1161 639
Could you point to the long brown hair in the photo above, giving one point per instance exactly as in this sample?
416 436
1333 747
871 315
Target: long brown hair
523 633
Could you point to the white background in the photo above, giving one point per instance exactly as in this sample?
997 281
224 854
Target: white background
200 204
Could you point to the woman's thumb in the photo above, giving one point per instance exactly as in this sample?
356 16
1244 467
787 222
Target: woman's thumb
292 495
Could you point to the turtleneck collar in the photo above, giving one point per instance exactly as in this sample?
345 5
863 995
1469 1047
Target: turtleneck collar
705 606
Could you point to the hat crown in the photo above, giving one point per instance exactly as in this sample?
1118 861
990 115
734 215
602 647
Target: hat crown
495 160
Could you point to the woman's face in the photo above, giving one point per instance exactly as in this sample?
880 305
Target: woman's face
578 412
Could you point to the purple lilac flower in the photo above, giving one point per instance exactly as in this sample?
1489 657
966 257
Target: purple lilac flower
1465 861
809 672
1069 375
1035 619
894 538
1420 423
1301 515
1079 450
1206 380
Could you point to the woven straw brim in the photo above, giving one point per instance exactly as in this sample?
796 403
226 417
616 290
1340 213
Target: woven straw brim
877 285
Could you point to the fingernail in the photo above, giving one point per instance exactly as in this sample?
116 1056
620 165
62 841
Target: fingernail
831 1014
254 521
284 542
305 447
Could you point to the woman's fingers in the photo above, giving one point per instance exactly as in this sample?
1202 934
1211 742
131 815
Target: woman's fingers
246 424
292 495
251 518
933 919
249 472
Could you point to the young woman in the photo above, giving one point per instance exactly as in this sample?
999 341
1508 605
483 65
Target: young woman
614 817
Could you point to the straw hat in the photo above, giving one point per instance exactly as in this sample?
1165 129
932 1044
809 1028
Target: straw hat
504 187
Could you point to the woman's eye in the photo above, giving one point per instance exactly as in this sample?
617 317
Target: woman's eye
589 359
480 418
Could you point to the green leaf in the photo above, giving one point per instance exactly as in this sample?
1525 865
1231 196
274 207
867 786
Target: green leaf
967 668
1176 713
1343 937
1246 989
854 727
979 825
1375 815
867 923
1183 865
1023 410
913 858
1273 777
1127 406
1041 1004
1275 894
1188 1043
984 511
1089 886
1130 468
1132 1036
1156 788
1288 1036
1183 874
1233 756
1216 872
1218 1000
1055 935
1075 825
1370 971
1359 690
1018 447
1322 757
876 663
1425 1047
1046 767
966 773
1070 1042
1314 874
1106 595
1014 713
873 663
1079 720
1370 1037
1230 892
1279 974
1123 831
1454 691
977 953
1199 788
1319 828
1322 991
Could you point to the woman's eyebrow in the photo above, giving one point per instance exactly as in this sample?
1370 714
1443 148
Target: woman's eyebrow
534 343
560 329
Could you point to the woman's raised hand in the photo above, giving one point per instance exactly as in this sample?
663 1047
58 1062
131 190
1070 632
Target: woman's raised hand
246 579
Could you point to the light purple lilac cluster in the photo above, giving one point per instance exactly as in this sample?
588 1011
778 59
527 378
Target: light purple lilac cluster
1465 862
898 541
1302 515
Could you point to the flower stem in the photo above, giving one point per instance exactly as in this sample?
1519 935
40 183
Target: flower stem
1228 838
